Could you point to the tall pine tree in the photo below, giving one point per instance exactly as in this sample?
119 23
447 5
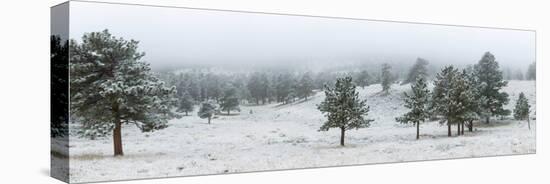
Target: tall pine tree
490 84
110 86
443 102
473 106
417 102
343 108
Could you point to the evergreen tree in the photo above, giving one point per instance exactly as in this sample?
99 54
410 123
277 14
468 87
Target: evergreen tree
254 87
186 103
419 69
490 83
283 87
473 106
230 101
464 100
59 57
446 101
363 79
109 87
265 88
207 110
532 72
522 109
343 108
305 86
417 102
386 77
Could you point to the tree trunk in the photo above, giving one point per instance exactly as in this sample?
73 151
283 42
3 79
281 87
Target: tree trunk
228 112
487 120
343 130
528 123
471 126
449 129
117 138
462 128
186 113
209 119
458 129
417 130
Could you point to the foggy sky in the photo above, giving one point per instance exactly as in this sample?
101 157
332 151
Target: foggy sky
175 36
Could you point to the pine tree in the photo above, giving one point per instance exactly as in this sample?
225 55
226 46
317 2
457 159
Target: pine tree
230 100
254 87
283 87
490 83
343 108
386 78
463 100
444 100
363 79
418 70
207 110
417 102
474 105
532 72
265 88
305 86
521 110
186 103
59 87
109 87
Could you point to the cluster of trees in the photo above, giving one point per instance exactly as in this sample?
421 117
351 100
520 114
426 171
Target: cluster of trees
530 74
250 88
462 96
459 97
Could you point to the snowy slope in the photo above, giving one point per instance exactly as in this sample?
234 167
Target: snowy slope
285 136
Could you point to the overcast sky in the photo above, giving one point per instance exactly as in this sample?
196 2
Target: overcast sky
172 36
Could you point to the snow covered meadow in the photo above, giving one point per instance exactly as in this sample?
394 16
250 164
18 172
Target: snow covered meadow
195 92
276 136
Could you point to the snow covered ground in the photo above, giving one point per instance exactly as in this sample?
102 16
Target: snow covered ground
273 137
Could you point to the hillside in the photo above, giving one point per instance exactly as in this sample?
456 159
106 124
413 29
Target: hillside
271 137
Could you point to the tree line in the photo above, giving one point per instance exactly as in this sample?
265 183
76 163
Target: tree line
110 86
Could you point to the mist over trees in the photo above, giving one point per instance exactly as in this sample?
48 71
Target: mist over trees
418 70
110 86
386 78
532 72
186 103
